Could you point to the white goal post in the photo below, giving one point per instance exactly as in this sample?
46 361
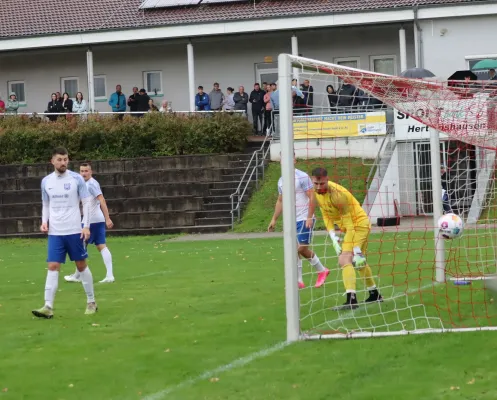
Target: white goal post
412 306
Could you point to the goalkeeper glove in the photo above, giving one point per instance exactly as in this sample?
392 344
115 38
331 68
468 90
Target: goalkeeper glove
359 260
336 242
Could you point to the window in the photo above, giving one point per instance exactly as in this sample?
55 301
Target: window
19 88
100 87
70 85
352 62
384 64
153 82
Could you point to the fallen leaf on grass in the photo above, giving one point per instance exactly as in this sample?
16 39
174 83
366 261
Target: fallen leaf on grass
454 388
471 381
214 379
95 324
167 351
5 389
71 385
295 386
176 316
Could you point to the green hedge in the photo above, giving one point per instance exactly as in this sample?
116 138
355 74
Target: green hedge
30 140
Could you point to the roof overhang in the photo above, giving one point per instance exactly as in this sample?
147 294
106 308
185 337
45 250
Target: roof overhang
247 26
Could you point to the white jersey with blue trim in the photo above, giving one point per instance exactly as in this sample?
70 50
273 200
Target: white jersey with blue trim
303 184
96 214
61 195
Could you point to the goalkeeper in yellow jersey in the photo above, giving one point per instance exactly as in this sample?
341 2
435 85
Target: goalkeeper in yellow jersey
340 208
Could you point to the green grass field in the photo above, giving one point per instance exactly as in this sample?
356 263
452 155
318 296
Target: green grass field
206 320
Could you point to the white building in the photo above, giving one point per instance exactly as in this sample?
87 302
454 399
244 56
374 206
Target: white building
46 47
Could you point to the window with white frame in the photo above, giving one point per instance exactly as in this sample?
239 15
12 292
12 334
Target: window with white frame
100 87
152 80
384 64
70 86
352 62
19 88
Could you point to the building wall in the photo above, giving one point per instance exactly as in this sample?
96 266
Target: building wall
229 60
446 42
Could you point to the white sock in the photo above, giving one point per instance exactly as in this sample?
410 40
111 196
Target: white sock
299 270
317 264
87 281
51 286
77 274
107 257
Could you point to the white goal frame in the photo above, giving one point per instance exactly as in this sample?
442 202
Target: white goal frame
286 65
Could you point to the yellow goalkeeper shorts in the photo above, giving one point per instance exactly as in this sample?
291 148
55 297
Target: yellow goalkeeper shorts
356 238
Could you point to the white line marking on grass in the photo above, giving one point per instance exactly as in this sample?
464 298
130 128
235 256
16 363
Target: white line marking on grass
240 362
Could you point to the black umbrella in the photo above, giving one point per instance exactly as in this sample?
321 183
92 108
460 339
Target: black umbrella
462 75
417 73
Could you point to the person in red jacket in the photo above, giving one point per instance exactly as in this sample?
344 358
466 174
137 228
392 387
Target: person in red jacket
2 106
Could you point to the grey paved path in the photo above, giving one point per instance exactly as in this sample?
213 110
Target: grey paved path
406 225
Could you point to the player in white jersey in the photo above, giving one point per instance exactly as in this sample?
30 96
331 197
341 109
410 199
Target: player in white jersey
61 193
99 220
305 224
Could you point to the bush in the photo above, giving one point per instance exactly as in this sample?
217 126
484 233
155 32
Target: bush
30 140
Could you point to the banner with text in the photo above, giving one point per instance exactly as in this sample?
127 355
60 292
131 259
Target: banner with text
340 125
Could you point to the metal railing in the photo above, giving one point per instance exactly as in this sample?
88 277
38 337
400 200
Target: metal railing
110 113
258 159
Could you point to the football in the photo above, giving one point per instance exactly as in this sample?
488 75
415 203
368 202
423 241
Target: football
451 226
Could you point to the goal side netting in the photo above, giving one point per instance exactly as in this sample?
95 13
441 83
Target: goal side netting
410 151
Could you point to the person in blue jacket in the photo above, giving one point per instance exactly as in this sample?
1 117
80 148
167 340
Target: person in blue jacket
118 101
202 100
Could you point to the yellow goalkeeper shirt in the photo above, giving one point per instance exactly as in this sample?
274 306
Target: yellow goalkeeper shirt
340 207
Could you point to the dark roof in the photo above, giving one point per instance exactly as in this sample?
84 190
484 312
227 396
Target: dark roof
42 17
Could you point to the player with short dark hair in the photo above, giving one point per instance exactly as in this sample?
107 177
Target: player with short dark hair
62 192
340 208
305 224
99 220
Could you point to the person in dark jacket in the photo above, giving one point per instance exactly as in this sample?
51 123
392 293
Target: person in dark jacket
142 102
308 92
66 104
348 98
202 102
332 98
54 107
241 100
257 101
133 101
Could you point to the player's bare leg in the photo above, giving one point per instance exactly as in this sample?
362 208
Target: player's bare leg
87 281
107 257
349 281
323 272
51 286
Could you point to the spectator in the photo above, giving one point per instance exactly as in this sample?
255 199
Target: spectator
275 97
117 101
492 75
54 107
257 101
2 105
165 107
12 104
348 98
59 97
133 101
79 106
308 92
299 106
332 98
142 100
202 100
241 100
151 106
268 126
216 98
66 104
228 102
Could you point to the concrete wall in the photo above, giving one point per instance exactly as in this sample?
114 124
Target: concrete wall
444 53
228 60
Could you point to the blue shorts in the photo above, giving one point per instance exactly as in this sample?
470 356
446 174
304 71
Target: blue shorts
304 235
61 246
97 233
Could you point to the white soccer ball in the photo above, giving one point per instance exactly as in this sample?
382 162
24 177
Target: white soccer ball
451 226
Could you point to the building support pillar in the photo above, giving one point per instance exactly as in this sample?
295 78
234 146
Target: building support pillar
91 87
403 49
191 76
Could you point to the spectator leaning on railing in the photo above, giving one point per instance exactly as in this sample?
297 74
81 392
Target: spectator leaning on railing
53 107
229 103
79 105
216 98
202 100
